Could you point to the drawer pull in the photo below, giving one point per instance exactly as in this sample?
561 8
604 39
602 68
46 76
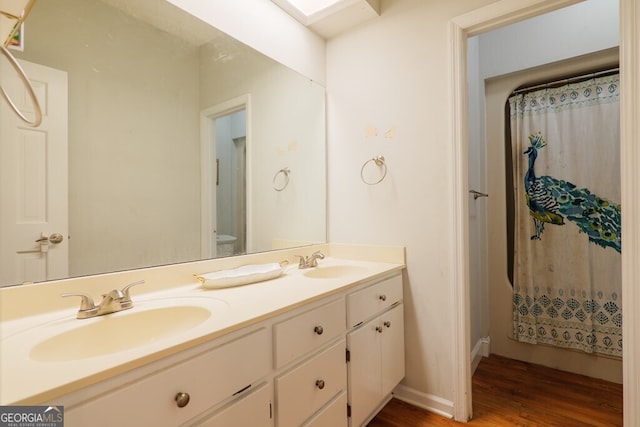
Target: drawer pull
182 399
387 324
383 297
320 384
318 330
379 329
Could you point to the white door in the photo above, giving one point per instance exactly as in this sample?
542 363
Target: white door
363 371
33 178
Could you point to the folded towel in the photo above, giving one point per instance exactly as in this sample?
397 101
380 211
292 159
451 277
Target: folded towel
240 276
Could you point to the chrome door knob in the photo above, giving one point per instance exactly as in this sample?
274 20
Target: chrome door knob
320 384
319 330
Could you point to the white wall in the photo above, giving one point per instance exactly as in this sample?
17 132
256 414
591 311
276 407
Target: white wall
387 89
478 256
585 27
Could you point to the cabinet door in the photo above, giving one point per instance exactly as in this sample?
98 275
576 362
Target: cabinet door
364 376
252 410
392 349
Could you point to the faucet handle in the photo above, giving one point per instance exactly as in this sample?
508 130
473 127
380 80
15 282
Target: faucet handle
303 261
85 304
87 307
125 290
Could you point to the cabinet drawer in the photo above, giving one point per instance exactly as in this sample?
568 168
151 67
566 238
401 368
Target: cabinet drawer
207 379
298 335
367 302
334 415
307 388
252 410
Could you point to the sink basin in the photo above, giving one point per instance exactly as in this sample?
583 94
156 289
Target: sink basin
118 332
334 271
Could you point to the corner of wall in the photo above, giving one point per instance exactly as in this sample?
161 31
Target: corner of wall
426 401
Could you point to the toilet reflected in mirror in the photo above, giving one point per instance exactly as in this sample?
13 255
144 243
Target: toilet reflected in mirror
225 245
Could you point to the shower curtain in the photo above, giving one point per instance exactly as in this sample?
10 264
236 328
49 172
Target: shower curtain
566 181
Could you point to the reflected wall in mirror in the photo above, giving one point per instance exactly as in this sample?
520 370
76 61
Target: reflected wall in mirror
124 165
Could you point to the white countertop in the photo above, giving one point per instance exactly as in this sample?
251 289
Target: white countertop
28 381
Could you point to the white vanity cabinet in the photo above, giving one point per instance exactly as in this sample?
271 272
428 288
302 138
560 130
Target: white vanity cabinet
308 366
375 345
176 394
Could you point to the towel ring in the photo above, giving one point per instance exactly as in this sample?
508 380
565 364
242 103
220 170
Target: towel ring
380 162
25 80
285 172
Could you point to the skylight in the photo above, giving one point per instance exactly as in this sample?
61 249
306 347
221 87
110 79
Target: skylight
308 11
310 7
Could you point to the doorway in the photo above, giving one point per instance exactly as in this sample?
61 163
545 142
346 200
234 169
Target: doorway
496 66
224 149
231 206
480 21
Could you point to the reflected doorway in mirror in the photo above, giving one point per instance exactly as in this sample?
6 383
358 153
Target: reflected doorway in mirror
224 182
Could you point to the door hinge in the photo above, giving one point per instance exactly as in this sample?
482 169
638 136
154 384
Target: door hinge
348 411
348 355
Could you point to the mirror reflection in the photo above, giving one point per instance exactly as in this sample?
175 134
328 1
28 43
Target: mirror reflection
163 140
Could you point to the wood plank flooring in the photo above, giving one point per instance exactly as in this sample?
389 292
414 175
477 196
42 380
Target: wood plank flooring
512 393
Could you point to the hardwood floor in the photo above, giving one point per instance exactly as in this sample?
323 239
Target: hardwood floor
512 393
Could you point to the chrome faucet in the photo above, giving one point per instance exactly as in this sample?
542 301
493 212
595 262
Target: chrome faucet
311 260
115 300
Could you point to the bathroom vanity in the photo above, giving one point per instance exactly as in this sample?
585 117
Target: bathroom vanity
321 346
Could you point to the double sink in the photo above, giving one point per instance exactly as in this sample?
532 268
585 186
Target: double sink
151 321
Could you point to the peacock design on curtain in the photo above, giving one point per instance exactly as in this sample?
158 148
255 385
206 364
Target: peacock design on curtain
551 200
566 224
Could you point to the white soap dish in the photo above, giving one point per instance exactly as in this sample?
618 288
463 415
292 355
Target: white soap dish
241 276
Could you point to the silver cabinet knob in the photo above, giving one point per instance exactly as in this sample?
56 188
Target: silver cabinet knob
379 329
182 399
320 384
387 324
319 330
383 297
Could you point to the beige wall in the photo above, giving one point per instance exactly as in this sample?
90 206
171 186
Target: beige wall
391 75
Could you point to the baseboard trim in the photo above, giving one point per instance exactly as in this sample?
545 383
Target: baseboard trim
426 401
480 350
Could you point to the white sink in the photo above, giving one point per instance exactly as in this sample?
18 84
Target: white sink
334 271
153 322
118 331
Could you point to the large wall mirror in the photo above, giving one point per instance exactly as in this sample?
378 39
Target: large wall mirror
163 141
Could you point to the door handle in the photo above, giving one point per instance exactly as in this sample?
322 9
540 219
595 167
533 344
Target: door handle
55 238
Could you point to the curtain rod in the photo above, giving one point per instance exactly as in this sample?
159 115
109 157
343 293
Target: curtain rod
565 81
